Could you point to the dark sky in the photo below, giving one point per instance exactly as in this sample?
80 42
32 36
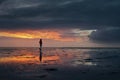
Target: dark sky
100 15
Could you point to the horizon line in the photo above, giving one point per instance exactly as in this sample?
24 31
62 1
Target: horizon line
69 47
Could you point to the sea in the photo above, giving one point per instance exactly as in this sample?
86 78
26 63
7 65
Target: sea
59 63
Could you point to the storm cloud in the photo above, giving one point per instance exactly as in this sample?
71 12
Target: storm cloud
56 13
106 36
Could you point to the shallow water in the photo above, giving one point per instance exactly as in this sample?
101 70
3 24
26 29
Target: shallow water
59 64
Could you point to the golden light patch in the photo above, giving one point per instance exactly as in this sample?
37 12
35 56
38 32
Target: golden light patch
31 35
54 35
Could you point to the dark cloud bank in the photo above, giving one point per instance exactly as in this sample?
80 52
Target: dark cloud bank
101 15
106 36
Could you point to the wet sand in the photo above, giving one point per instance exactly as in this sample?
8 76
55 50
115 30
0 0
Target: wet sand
59 64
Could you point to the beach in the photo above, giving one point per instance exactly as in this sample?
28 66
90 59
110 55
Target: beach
59 64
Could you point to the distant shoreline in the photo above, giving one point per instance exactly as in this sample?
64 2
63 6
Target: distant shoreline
70 47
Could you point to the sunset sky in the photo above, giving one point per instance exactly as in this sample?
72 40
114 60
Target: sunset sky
60 23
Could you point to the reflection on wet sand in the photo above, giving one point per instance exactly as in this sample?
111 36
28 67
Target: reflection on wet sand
30 59
18 59
50 56
59 64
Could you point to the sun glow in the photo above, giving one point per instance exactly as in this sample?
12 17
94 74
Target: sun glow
16 35
31 34
37 34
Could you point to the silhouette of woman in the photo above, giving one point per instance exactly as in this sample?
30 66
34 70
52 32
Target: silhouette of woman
40 42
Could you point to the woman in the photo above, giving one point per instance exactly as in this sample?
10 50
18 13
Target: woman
40 42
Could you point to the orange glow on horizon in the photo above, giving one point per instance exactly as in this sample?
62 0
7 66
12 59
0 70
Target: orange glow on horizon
37 34
31 35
